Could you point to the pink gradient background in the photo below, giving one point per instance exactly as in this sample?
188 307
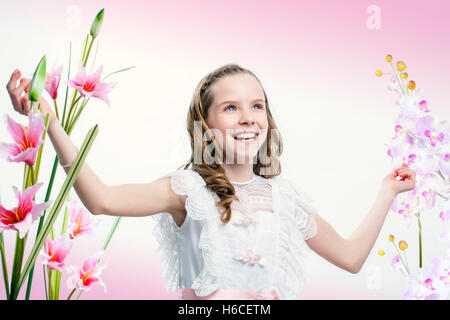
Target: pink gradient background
310 48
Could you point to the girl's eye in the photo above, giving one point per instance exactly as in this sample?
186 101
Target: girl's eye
231 106
226 108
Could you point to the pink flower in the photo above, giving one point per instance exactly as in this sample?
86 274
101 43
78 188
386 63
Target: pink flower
403 208
444 214
83 278
21 217
431 283
435 133
90 86
27 139
55 252
80 221
52 82
395 263
412 106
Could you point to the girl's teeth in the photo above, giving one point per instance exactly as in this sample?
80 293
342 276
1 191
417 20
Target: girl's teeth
245 137
240 138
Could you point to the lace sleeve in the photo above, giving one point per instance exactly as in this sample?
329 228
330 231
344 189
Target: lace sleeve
304 212
183 182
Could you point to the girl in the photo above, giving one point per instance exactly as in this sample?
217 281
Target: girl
229 225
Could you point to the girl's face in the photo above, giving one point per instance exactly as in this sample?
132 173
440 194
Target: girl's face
238 114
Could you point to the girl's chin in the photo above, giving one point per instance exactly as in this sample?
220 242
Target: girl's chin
240 158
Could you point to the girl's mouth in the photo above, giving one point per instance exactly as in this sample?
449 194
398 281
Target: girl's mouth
246 137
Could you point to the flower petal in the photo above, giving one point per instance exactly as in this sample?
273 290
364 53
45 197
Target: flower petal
38 209
23 226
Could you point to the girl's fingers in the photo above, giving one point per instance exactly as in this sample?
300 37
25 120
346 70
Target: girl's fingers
23 83
26 104
27 87
12 83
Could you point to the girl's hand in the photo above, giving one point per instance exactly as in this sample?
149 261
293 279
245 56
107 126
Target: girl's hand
406 182
21 103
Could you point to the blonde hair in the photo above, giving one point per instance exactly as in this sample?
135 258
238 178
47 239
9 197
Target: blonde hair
213 172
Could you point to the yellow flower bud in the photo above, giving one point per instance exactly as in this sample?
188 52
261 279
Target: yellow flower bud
404 75
378 73
401 66
388 58
402 245
381 252
411 85
391 237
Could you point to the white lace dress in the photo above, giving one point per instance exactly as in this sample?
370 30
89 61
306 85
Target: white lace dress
261 248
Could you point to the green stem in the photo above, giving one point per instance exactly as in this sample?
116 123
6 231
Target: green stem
50 287
70 295
72 109
38 160
66 216
441 175
54 284
26 175
118 72
17 264
33 176
89 51
67 87
420 239
84 49
52 235
440 195
57 284
111 232
41 220
76 117
56 108
45 281
4 265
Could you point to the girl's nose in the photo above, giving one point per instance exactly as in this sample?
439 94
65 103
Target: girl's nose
246 117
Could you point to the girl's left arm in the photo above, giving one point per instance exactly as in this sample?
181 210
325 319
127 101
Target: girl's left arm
350 254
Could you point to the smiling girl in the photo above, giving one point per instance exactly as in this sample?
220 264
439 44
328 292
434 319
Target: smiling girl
229 225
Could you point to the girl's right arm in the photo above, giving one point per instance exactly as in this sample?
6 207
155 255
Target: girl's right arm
121 200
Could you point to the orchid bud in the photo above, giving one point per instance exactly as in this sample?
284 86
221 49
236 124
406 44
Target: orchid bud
391 237
404 75
401 66
97 24
381 252
402 245
378 73
411 85
38 81
388 58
